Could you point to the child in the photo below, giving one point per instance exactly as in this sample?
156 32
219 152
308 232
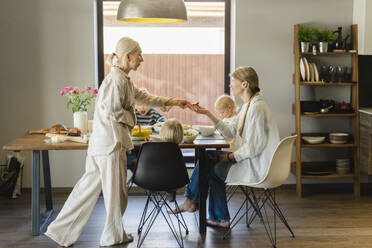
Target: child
145 116
171 131
148 116
226 109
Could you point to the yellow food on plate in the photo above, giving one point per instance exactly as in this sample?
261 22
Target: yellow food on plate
144 132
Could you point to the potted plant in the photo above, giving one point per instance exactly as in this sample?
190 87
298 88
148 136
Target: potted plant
324 37
305 36
79 100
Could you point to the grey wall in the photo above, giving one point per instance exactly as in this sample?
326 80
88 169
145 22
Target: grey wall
45 45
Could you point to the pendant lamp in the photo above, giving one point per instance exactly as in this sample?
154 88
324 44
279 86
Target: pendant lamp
158 11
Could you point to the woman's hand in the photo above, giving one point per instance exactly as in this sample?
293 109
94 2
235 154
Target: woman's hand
227 157
179 102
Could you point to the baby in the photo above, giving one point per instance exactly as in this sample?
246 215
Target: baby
171 131
226 109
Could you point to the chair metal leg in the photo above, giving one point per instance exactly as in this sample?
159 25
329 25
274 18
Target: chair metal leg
258 206
275 206
159 199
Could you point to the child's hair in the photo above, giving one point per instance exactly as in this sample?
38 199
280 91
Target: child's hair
224 101
172 131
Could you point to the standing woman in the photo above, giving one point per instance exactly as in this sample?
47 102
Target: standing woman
106 167
256 136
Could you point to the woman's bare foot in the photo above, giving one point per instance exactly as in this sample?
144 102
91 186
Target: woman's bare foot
187 206
219 223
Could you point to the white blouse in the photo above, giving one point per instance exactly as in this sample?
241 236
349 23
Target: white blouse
256 146
114 115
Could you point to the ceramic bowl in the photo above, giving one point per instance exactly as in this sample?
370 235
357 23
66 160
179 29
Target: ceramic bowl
342 170
157 126
190 138
313 139
204 130
338 138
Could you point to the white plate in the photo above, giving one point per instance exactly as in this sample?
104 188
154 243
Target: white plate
316 73
155 137
137 138
307 69
311 72
302 69
337 141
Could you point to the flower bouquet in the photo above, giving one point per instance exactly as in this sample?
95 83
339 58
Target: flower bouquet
79 100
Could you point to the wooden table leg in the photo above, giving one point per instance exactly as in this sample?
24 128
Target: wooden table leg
48 193
203 191
35 201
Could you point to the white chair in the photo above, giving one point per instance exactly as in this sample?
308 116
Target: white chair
256 204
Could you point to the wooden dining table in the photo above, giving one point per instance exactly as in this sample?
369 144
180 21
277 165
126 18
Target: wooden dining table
36 143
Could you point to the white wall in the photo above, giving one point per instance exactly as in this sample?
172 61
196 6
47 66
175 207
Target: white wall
45 45
49 44
362 15
264 40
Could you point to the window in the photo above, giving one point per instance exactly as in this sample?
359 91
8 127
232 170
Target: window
181 60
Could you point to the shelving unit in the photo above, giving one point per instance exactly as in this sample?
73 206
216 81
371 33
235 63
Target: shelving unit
353 145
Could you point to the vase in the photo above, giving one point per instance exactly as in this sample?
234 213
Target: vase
81 121
323 47
305 46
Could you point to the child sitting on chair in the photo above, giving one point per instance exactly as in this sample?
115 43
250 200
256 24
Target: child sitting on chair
145 116
171 131
226 109
148 116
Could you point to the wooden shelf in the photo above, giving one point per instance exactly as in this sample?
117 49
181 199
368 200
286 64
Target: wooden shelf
319 170
331 175
304 145
321 83
330 115
329 53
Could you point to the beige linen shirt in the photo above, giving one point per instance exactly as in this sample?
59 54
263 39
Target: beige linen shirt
114 116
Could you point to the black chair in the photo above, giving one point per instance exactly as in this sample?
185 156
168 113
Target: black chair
160 172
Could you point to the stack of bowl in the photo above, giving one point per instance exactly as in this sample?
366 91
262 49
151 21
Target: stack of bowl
343 166
338 138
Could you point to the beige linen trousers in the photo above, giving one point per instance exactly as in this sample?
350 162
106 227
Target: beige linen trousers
106 163
106 173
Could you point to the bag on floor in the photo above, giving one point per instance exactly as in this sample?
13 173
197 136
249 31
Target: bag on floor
9 177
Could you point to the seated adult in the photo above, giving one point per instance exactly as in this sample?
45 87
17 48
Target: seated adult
256 136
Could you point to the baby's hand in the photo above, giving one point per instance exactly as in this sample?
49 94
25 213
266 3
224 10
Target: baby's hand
199 109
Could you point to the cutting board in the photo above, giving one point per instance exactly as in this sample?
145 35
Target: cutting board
78 139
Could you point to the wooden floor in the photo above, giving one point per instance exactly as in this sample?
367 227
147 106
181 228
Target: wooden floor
319 220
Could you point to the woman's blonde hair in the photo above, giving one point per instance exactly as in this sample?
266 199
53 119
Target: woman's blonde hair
124 46
249 75
172 131
225 101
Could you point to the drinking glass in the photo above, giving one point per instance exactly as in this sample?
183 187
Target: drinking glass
332 73
340 72
324 76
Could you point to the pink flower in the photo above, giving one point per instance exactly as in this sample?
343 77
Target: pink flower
95 91
67 89
62 92
76 90
88 87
